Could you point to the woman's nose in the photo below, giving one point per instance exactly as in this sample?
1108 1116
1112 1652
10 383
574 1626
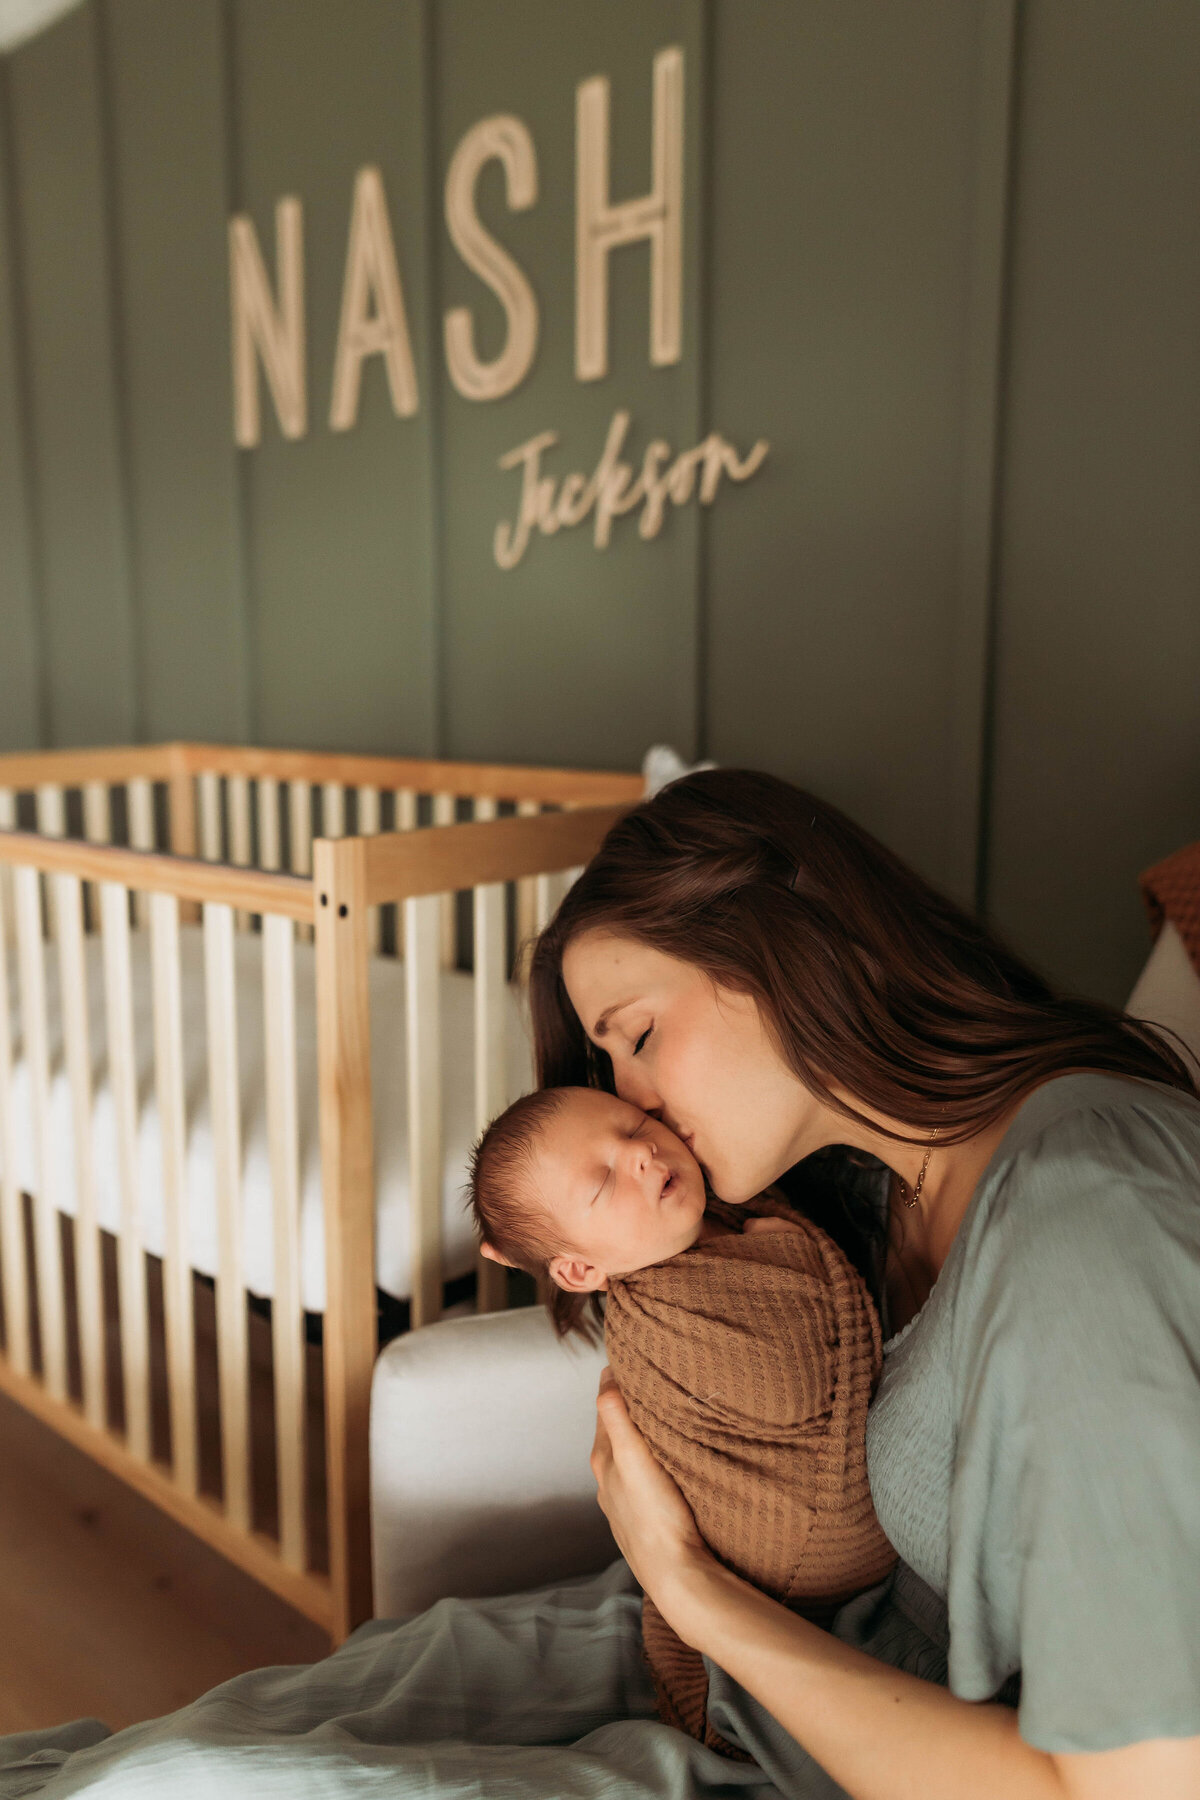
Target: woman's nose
633 1086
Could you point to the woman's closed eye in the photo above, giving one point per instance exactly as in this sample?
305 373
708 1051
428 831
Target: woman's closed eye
641 1042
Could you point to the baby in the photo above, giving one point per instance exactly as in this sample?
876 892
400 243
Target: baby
745 1345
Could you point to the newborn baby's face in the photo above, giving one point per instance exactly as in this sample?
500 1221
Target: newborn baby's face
622 1189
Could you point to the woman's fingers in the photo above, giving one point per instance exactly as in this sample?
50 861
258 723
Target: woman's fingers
609 1404
601 1457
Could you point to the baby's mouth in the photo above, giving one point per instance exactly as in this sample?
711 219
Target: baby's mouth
669 1186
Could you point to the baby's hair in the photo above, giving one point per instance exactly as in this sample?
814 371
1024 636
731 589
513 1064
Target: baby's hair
507 1214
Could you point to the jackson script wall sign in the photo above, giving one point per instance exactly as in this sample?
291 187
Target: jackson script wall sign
269 322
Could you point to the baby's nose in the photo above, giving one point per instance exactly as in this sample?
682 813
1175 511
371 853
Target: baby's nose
649 1167
642 1153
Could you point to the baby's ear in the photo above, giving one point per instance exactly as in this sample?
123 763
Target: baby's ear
577 1276
485 1249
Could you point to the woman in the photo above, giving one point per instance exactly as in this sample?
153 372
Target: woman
743 961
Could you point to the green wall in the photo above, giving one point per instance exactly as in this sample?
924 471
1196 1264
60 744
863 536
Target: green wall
945 256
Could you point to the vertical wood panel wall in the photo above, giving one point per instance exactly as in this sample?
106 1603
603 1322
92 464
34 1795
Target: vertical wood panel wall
945 256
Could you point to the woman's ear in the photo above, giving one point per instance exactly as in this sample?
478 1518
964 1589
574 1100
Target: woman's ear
485 1249
577 1276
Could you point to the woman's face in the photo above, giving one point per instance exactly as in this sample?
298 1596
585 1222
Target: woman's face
696 1056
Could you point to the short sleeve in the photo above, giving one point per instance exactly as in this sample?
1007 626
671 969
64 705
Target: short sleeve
1075 1504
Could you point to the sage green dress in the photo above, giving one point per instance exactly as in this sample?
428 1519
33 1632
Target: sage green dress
1034 1444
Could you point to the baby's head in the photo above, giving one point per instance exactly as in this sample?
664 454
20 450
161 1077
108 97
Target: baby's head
574 1184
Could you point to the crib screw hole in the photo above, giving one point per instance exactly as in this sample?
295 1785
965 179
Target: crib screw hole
324 899
343 911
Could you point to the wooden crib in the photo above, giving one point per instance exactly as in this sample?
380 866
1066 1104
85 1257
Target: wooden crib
123 874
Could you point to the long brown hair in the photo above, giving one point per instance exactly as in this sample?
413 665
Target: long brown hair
869 979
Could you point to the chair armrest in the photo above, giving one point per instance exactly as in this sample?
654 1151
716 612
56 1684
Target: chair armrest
1167 992
480 1434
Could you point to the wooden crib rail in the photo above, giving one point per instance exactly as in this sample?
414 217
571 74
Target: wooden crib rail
401 867
420 870
148 872
504 781
25 769
85 1362
52 891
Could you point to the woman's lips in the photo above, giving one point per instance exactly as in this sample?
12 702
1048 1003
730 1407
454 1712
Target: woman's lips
688 1139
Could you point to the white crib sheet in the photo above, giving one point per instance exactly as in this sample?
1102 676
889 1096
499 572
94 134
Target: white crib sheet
386 979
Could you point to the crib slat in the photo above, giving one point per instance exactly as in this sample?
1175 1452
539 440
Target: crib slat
491 1075
8 822
333 809
300 820
97 813
181 804
545 900
527 899
369 824
12 1224
51 806
368 811
445 813
240 835
131 1260
97 829
287 1317
300 834
232 1334
141 813
422 937
211 845
172 1116
405 803
51 810
68 906
30 950
240 832
141 832
270 853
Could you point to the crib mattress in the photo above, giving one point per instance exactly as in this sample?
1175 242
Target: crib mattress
394 1259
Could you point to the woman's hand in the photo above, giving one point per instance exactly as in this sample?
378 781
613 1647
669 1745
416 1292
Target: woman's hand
650 1519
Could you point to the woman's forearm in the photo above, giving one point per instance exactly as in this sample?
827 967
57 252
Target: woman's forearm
881 1734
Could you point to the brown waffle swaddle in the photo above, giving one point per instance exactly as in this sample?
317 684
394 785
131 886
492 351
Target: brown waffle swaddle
748 1363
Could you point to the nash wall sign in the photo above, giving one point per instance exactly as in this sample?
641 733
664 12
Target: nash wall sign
269 323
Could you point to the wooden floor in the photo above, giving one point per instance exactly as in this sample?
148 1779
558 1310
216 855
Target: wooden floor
107 1608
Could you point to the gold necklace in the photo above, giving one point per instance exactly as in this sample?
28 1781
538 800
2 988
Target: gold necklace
911 1198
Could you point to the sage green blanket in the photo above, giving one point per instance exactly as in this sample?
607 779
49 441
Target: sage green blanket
540 1696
